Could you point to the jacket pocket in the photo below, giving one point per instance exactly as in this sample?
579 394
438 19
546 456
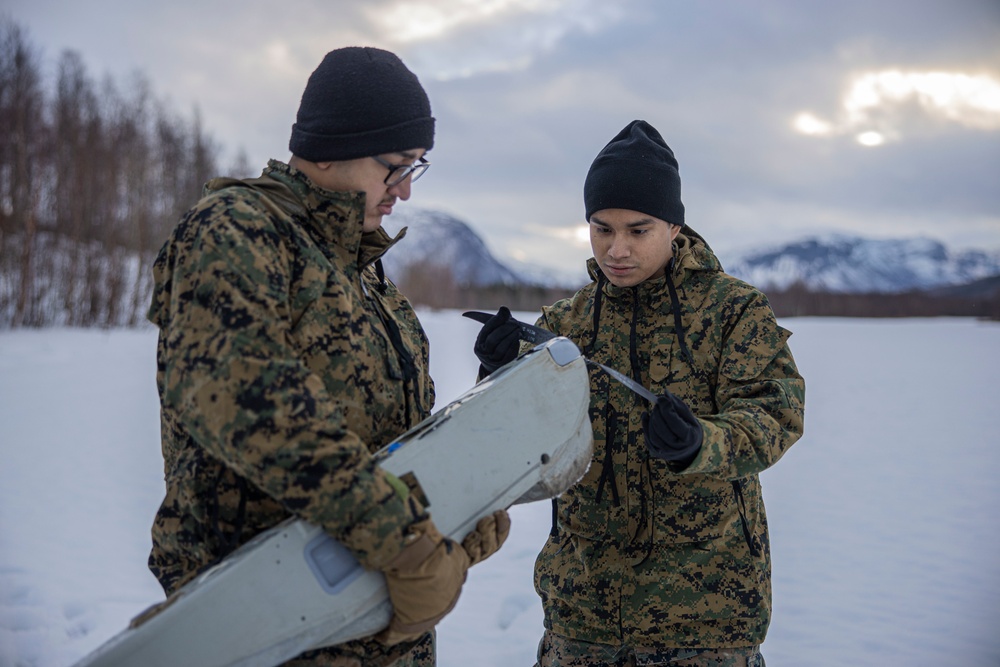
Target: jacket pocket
701 549
702 581
691 508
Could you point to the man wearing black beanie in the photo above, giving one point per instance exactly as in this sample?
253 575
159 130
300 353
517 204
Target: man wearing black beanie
286 358
362 113
660 554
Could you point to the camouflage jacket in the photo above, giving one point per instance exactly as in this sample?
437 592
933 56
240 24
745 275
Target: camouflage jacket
284 359
642 555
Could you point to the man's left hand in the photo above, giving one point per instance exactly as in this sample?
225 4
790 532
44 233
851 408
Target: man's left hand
672 431
490 534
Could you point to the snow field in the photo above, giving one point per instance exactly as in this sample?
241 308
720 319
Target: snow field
883 517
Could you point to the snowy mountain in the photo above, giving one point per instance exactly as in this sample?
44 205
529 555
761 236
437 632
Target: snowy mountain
851 264
837 263
443 241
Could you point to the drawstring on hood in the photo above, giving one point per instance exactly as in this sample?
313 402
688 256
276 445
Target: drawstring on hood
588 350
380 273
608 465
406 361
633 344
675 307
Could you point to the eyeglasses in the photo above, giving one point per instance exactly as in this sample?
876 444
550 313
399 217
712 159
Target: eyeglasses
398 172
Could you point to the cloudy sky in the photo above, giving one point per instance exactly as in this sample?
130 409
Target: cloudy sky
790 118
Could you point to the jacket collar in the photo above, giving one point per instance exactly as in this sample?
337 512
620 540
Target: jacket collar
691 253
335 219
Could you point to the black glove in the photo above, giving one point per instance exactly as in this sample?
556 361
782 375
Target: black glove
498 341
672 431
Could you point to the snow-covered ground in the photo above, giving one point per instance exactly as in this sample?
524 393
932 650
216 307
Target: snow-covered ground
883 518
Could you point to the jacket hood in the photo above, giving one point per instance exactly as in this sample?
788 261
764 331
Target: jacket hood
691 253
333 218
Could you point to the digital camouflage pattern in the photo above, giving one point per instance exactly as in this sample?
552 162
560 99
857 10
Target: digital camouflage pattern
556 651
283 361
641 555
371 653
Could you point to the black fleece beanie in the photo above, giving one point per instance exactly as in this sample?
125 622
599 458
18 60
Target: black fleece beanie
359 102
636 171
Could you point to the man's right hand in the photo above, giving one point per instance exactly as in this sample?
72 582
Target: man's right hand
424 581
498 341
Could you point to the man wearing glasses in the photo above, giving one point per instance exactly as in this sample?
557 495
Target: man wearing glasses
285 358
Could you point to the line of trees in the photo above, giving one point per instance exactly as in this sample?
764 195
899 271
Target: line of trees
800 301
434 286
92 178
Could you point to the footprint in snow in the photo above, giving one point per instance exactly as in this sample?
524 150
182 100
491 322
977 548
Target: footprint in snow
511 608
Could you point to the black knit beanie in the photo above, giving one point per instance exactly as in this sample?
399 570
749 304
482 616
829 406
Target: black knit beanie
359 102
636 171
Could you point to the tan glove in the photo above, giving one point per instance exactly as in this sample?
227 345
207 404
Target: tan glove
490 534
424 581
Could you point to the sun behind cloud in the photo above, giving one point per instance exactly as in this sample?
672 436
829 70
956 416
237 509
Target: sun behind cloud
807 123
875 105
971 100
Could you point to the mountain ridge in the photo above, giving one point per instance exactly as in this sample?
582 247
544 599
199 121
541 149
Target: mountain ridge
442 241
838 263
849 264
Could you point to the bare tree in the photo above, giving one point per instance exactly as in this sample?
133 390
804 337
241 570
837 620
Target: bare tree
92 180
75 124
428 284
21 106
241 167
